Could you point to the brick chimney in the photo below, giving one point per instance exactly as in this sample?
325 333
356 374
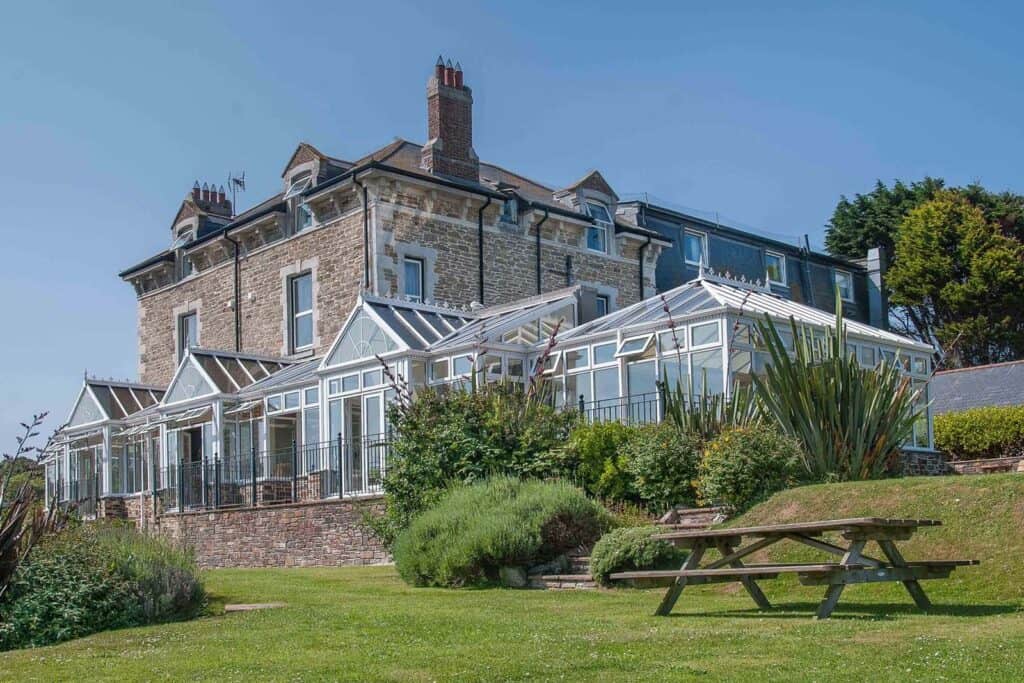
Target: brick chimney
211 199
449 150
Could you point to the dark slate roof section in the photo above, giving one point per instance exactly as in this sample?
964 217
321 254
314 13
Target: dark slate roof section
1000 384
165 255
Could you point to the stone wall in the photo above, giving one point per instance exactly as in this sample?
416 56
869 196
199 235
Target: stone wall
924 463
1007 464
314 534
333 252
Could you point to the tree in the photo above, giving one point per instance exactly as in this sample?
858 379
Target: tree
872 220
958 274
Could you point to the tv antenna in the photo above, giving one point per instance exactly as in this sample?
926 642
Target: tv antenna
236 184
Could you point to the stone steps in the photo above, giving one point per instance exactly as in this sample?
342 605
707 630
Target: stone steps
563 582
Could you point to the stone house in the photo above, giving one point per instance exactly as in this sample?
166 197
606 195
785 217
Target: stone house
272 341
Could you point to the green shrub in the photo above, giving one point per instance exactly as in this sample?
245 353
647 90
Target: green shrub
93 578
663 461
456 436
475 530
991 432
629 549
591 455
746 465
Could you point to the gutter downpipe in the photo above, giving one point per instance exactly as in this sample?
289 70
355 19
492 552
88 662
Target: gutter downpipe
542 220
480 244
238 287
366 232
640 257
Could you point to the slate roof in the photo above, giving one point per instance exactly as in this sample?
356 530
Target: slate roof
1000 384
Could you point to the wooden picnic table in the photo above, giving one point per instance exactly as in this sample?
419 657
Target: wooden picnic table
853 567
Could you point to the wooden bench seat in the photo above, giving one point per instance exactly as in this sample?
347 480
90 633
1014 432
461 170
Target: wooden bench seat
752 570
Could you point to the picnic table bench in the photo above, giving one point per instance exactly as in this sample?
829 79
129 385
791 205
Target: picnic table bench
854 565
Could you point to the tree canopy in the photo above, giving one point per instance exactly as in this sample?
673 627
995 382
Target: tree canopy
956 262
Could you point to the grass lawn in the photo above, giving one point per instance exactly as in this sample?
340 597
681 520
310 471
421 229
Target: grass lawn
365 624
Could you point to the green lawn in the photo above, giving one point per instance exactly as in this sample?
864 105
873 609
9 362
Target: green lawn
365 624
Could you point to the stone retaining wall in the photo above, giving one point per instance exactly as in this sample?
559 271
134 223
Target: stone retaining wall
988 465
924 463
314 534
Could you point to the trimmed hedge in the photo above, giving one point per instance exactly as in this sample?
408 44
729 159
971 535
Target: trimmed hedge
631 549
746 465
978 433
475 530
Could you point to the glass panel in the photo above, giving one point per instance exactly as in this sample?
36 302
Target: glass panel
334 386
602 306
672 341
439 370
604 353
413 279
491 365
693 248
312 396
707 372
636 345
463 365
362 339
189 384
599 212
291 400
350 383
516 368
844 285
577 358
741 333
596 238
334 419
742 368
373 417
706 333
419 373
776 269
606 384
373 378
921 366
303 331
116 469
311 426
86 411
675 373
643 397
577 388
274 403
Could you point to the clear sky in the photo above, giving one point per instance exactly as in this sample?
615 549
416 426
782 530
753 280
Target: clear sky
763 111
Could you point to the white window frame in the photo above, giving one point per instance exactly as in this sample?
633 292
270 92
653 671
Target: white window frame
646 338
599 224
294 315
509 211
607 301
706 345
782 268
183 344
703 247
298 184
421 264
837 273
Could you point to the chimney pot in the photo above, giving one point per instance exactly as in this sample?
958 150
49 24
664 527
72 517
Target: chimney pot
206 192
439 69
195 191
449 74
458 75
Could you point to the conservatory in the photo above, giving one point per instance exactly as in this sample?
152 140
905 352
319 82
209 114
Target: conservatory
236 429
702 336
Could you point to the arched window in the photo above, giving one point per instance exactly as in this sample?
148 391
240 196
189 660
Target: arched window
362 339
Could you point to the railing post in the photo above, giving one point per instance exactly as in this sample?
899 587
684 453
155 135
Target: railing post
153 484
181 486
341 470
583 405
295 471
252 471
216 483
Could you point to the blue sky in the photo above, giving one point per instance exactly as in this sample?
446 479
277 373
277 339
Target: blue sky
764 112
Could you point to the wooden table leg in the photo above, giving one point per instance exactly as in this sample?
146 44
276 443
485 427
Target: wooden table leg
692 562
912 586
748 582
832 593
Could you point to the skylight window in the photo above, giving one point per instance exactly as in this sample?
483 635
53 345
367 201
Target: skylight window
634 346
298 185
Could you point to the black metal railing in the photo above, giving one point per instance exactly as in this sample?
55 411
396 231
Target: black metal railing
82 495
301 472
636 409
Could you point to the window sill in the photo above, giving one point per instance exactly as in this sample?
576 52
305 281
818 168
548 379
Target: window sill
301 354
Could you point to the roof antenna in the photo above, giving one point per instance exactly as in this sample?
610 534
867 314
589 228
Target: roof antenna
235 184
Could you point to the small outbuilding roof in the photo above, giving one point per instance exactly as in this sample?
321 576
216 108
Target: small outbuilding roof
999 384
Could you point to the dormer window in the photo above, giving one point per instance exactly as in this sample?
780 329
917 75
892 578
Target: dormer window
298 185
597 234
509 211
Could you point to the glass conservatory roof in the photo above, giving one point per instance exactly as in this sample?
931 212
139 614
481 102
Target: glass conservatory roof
203 372
101 400
711 293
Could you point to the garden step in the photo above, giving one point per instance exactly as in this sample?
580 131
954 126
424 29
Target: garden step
564 582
